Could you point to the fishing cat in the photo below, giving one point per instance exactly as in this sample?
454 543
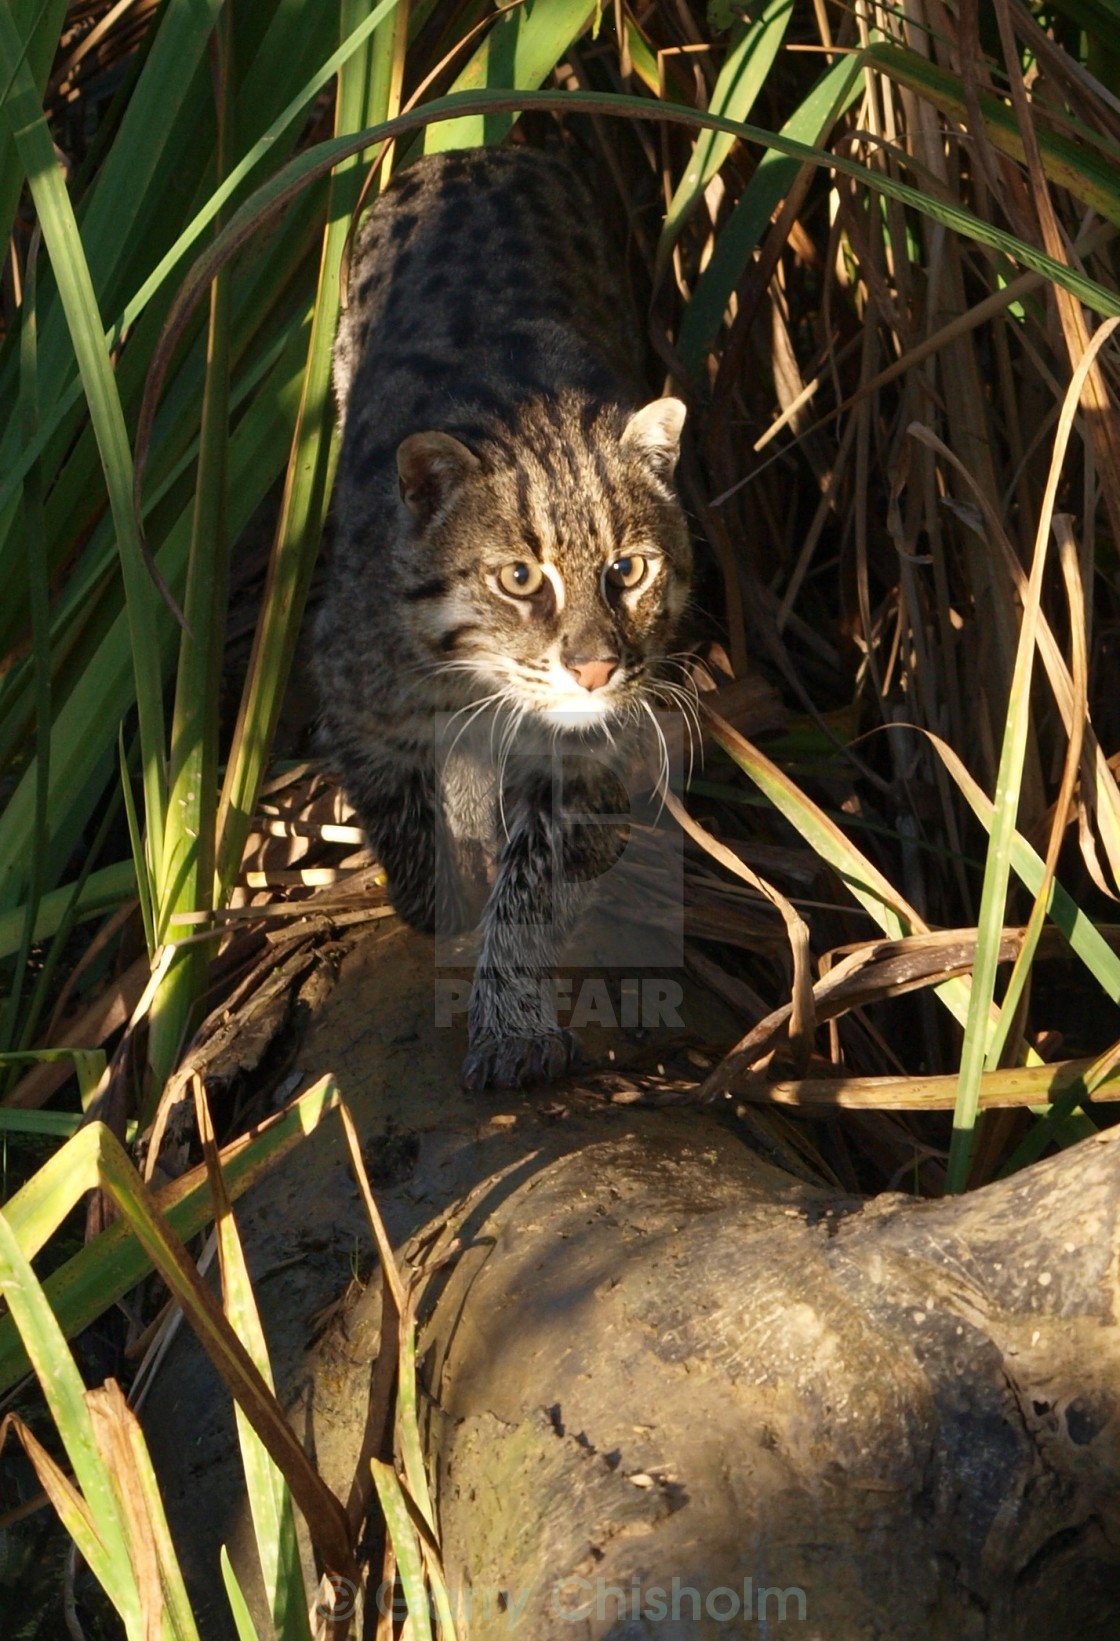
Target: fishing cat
511 559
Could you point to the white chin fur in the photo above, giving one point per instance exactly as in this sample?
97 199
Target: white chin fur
577 717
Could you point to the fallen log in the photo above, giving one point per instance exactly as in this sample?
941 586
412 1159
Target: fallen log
671 1389
679 1394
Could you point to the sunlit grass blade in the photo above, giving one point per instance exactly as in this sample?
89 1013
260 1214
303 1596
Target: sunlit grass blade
399 1316
159 1579
106 1543
143 882
306 494
388 54
974 1053
239 1607
737 239
406 1544
89 1067
106 1268
269 1499
520 50
864 881
737 86
108 1168
1020 973
1084 938
186 883
890 910
1088 174
70 1507
1052 1125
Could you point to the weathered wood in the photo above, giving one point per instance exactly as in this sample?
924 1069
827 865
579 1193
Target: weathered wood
656 1356
660 1360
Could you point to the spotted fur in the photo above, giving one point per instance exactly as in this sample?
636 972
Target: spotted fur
498 493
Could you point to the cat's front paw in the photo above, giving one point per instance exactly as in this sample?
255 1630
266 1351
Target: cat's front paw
515 1062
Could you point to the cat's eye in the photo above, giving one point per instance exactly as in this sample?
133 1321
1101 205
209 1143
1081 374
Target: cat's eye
627 572
520 579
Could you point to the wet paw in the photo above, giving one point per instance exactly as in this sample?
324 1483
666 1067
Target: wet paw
515 1062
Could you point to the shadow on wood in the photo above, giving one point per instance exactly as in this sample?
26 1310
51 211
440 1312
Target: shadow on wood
663 1373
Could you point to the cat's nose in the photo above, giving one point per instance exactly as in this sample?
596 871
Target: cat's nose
593 674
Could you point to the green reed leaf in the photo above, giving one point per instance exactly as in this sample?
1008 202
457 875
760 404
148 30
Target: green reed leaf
741 78
812 123
521 49
64 244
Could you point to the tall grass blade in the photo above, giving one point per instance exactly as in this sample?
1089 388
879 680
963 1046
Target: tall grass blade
406 1544
142 879
997 867
11 461
100 891
812 123
34 524
159 1579
38 26
85 727
1091 176
89 1068
64 245
269 1499
61 1384
306 495
1084 938
106 1268
740 79
188 854
239 1607
1016 986
70 1507
520 50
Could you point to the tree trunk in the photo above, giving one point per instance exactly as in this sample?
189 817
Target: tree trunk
674 1391
682 1396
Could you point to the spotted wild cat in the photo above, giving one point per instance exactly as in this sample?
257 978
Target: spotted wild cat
511 560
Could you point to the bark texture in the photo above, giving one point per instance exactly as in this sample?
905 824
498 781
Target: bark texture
655 1357
659 1360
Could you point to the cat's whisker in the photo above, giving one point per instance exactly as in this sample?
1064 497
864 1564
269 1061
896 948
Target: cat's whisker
475 708
679 710
687 682
421 674
661 786
690 711
687 706
472 706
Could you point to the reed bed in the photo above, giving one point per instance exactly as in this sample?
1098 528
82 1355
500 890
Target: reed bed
877 249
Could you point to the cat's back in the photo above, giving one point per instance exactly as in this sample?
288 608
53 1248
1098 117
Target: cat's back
482 277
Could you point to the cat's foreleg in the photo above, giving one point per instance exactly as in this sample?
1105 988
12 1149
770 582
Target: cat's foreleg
399 807
544 879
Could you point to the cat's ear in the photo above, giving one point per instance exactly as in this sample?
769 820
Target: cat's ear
431 467
654 433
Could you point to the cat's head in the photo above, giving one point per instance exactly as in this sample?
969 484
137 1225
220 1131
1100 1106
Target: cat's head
550 565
